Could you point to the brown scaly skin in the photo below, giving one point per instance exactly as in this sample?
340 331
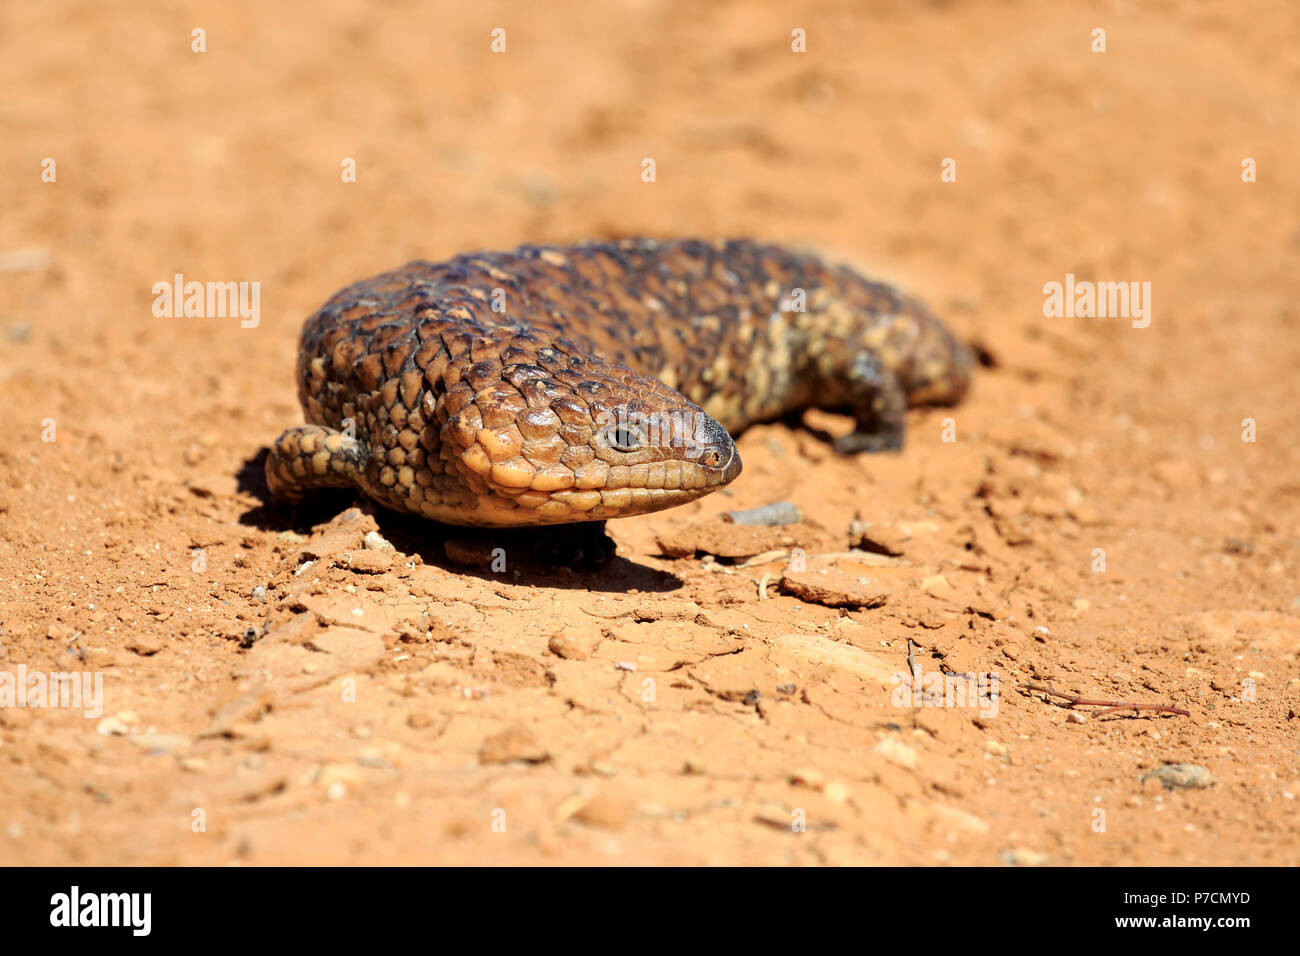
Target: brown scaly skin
561 384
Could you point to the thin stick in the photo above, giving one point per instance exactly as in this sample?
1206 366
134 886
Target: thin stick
1111 706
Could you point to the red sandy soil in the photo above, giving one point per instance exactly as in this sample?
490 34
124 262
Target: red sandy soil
402 708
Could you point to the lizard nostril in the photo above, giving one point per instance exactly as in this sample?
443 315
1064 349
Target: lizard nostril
717 457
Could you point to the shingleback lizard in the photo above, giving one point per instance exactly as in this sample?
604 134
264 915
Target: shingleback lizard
561 384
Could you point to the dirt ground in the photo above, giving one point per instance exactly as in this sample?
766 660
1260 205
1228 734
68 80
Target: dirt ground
1117 517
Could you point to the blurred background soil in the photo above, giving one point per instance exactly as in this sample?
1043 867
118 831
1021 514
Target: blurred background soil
276 692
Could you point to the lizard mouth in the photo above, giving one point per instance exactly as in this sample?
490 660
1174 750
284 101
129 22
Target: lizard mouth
652 490
628 491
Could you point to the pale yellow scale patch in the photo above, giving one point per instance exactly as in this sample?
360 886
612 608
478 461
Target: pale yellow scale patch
594 474
579 500
501 444
515 473
552 478
616 498
477 460
768 372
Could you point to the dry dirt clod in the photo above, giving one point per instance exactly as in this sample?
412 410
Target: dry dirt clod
515 743
726 539
573 646
1181 776
366 562
345 532
606 809
145 645
833 588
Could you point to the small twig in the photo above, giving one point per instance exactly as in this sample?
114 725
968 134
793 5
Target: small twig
1111 706
1135 707
767 557
911 663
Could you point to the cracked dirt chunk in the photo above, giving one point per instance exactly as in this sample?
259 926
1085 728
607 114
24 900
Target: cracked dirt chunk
805 649
346 532
725 539
881 538
515 743
834 588
145 645
366 562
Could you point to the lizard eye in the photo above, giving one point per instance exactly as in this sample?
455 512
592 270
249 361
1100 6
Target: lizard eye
625 438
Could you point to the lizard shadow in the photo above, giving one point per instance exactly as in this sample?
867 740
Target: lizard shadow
562 557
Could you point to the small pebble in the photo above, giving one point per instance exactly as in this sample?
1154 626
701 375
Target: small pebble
897 752
112 727
377 542
1181 776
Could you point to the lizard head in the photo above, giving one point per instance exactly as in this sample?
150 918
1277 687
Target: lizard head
580 440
